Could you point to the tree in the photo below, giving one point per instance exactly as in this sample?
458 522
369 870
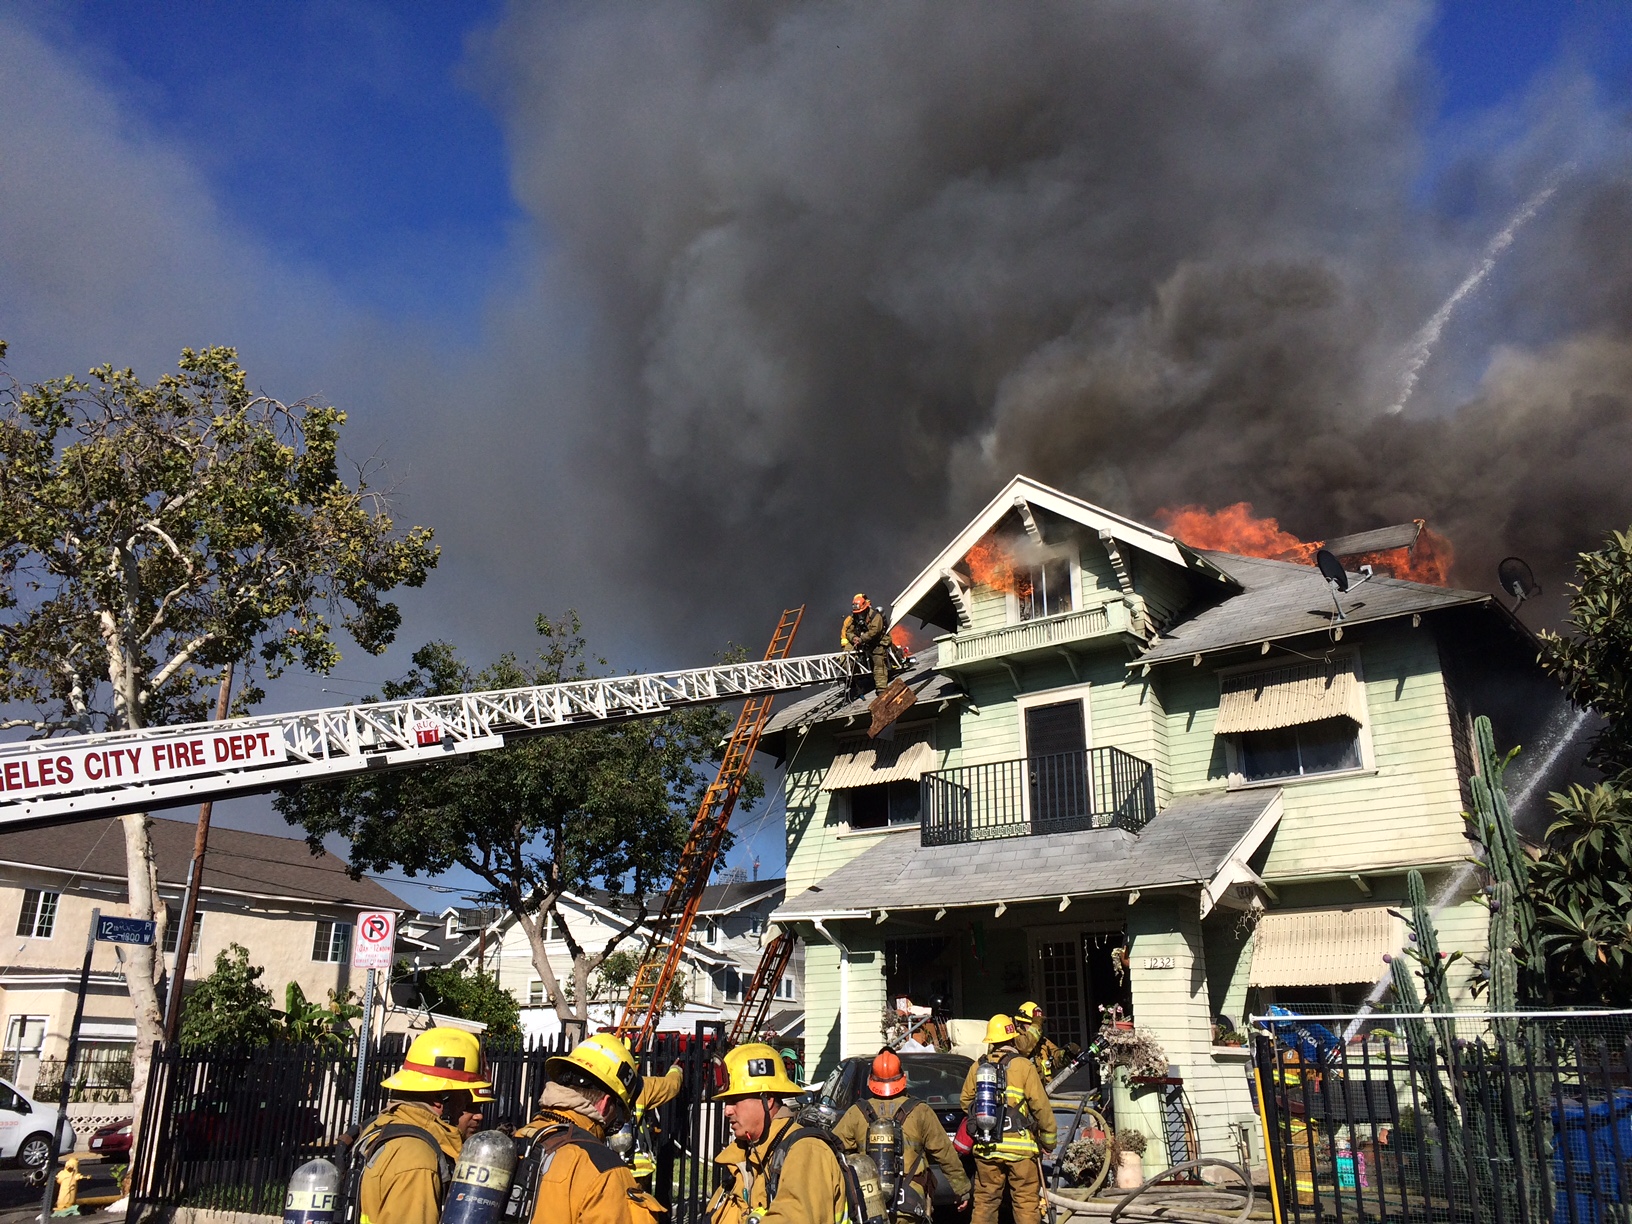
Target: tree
601 807
1581 881
230 1007
617 974
475 996
152 535
325 1025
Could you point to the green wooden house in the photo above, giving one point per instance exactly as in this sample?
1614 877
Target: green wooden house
1138 774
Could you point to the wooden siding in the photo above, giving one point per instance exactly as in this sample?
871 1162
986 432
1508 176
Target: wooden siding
1174 1004
1405 810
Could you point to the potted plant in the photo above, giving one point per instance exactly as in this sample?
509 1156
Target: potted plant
1129 1147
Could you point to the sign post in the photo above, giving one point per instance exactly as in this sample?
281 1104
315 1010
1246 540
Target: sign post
372 949
105 930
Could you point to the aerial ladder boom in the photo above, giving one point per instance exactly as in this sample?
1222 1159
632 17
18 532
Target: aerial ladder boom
660 961
82 776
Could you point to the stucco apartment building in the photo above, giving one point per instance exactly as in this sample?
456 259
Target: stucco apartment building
292 910
1143 775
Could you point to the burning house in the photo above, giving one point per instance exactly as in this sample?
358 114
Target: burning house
1143 773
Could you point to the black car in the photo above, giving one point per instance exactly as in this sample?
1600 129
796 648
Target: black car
935 1079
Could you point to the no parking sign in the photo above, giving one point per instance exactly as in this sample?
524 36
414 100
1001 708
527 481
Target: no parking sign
376 940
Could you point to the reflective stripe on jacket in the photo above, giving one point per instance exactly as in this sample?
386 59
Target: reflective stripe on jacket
1030 1118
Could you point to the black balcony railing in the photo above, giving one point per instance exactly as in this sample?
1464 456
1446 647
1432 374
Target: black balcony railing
1097 788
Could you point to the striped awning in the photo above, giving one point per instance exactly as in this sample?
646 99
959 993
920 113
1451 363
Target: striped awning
904 759
1323 947
1289 696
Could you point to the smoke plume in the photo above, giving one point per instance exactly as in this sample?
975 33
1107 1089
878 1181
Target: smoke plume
838 270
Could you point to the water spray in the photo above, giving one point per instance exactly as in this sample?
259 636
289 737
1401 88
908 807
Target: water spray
1422 347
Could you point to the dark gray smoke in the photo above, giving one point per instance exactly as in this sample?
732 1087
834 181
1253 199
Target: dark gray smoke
833 272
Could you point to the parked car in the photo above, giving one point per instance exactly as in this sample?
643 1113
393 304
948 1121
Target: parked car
935 1079
25 1129
115 1137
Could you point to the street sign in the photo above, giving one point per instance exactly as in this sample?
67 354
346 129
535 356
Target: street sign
376 940
124 930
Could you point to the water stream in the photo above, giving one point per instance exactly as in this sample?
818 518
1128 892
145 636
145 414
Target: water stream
1561 733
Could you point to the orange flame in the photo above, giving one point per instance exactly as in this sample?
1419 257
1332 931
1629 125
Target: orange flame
1235 529
904 640
992 565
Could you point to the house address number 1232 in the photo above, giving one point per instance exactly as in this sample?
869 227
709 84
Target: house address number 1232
1158 962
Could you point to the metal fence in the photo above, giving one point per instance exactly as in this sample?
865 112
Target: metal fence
1511 1118
1095 788
224 1129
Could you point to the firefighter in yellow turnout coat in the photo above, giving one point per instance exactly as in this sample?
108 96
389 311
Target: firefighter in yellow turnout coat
923 1139
1014 1160
655 1092
766 1173
1047 1057
579 1180
409 1151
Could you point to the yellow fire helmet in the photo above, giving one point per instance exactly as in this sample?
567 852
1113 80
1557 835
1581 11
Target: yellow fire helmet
1029 1013
606 1059
999 1029
755 1069
441 1060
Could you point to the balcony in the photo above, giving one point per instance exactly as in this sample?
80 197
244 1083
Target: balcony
1045 633
1097 788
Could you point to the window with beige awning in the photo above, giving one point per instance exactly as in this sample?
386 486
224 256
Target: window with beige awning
1324 947
1274 697
904 759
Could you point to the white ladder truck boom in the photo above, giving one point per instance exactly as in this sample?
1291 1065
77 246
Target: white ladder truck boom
82 776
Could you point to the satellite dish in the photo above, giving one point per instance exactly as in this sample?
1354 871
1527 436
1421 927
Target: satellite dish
1517 580
1332 570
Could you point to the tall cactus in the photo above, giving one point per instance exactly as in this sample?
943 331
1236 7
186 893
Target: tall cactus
1516 931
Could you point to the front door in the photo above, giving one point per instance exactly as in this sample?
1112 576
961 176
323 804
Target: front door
1057 767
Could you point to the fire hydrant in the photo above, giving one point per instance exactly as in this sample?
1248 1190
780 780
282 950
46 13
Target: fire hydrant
68 1180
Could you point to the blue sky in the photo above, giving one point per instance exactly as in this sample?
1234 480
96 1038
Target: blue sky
357 166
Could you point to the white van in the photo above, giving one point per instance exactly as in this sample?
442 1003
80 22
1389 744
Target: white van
25 1129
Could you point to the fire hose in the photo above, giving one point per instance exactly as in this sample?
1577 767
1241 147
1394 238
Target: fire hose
1174 1209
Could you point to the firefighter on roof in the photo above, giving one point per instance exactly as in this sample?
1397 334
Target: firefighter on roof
1012 1125
863 632
915 1132
407 1154
774 1170
1048 1058
575 1178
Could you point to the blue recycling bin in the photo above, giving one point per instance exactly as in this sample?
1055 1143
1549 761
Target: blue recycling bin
1595 1137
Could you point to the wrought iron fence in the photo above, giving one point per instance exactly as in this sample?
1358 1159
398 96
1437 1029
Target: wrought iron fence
102 1076
1094 788
224 1129
1516 1118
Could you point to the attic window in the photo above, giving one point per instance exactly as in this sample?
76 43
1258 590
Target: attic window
1044 589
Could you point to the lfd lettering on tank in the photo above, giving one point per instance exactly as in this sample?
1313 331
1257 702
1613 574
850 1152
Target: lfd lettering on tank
44 772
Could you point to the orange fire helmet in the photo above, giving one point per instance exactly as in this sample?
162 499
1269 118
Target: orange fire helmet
887 1078
860 601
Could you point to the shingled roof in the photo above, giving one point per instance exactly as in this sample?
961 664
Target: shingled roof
833 704
1189 842
1280 599
253 864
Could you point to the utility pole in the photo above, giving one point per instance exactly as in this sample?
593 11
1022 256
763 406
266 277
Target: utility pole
195 878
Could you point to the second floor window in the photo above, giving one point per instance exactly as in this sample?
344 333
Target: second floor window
884 804
1327 746
39 914
733 986
784 988
172 928
535 993
1044 590
333 942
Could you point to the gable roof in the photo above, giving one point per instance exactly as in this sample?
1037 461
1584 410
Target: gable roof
1281 599
1023 489
252 864
738 894
1189 843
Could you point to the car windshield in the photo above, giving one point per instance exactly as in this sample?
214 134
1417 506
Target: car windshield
936 1079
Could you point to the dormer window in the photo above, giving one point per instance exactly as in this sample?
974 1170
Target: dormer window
1044 589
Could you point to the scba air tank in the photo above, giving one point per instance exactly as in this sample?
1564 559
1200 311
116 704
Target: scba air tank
985 1123
884 1147
874 1205
481 1180
313 1193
